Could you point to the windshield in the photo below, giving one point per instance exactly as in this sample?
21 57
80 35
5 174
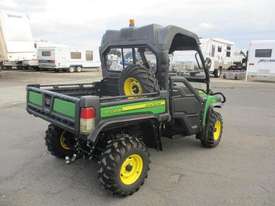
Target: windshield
187 63
118 58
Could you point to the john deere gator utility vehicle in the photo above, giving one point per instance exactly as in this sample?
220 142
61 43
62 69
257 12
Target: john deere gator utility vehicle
155 84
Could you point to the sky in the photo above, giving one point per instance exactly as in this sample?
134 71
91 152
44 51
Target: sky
82 23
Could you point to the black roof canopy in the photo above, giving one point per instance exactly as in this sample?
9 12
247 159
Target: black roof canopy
159 38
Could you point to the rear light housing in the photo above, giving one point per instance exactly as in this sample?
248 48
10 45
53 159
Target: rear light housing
87 120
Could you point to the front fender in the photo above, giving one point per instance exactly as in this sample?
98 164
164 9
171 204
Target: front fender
214 100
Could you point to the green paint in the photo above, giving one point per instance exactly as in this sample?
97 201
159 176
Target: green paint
35 98
151 107
64 107
209 101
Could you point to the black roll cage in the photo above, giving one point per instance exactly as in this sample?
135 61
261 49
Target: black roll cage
162 41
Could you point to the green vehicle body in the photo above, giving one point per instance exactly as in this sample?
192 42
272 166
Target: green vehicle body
61 104
133 110
154 107
116 119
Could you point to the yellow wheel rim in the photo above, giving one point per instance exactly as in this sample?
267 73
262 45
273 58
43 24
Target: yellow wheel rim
132 87
62 142
131 169
217 130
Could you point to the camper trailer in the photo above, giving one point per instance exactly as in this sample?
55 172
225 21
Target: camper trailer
63 58
261 58
16 42
218 53
33 64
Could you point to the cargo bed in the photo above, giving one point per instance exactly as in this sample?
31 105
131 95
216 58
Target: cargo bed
61 104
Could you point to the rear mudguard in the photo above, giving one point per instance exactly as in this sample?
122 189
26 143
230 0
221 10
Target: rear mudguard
94 136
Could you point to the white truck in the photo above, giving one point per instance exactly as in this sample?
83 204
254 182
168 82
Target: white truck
16 41
64 58
261 58
218 53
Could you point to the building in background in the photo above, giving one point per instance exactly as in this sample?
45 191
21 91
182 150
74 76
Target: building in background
63 58
220 54
16 41
261 58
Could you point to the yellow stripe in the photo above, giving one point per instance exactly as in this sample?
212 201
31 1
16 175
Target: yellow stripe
143 105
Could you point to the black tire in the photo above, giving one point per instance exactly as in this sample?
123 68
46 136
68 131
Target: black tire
53 142
117 151
78 69
145 77
71 69
217 73
210 140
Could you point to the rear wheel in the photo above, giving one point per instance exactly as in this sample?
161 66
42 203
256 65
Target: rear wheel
124 165
137 80
59 142
79 69
214 130
71 69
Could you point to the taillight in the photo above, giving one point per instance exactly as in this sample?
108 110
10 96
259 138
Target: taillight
87 120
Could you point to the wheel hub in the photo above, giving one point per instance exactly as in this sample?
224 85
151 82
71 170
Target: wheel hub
131 169
132 87
217 130
63 141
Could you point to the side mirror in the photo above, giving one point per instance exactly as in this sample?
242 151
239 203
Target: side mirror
207 63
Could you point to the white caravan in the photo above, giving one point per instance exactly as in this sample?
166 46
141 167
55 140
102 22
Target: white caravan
61 57
16 42
261 58
219 53
33 64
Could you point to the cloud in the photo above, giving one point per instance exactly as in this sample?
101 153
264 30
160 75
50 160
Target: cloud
206 26
81 23
7 4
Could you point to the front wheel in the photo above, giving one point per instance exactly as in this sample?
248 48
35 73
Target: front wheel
124 165
214 130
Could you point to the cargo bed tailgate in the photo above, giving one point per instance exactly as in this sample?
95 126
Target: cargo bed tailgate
60 109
